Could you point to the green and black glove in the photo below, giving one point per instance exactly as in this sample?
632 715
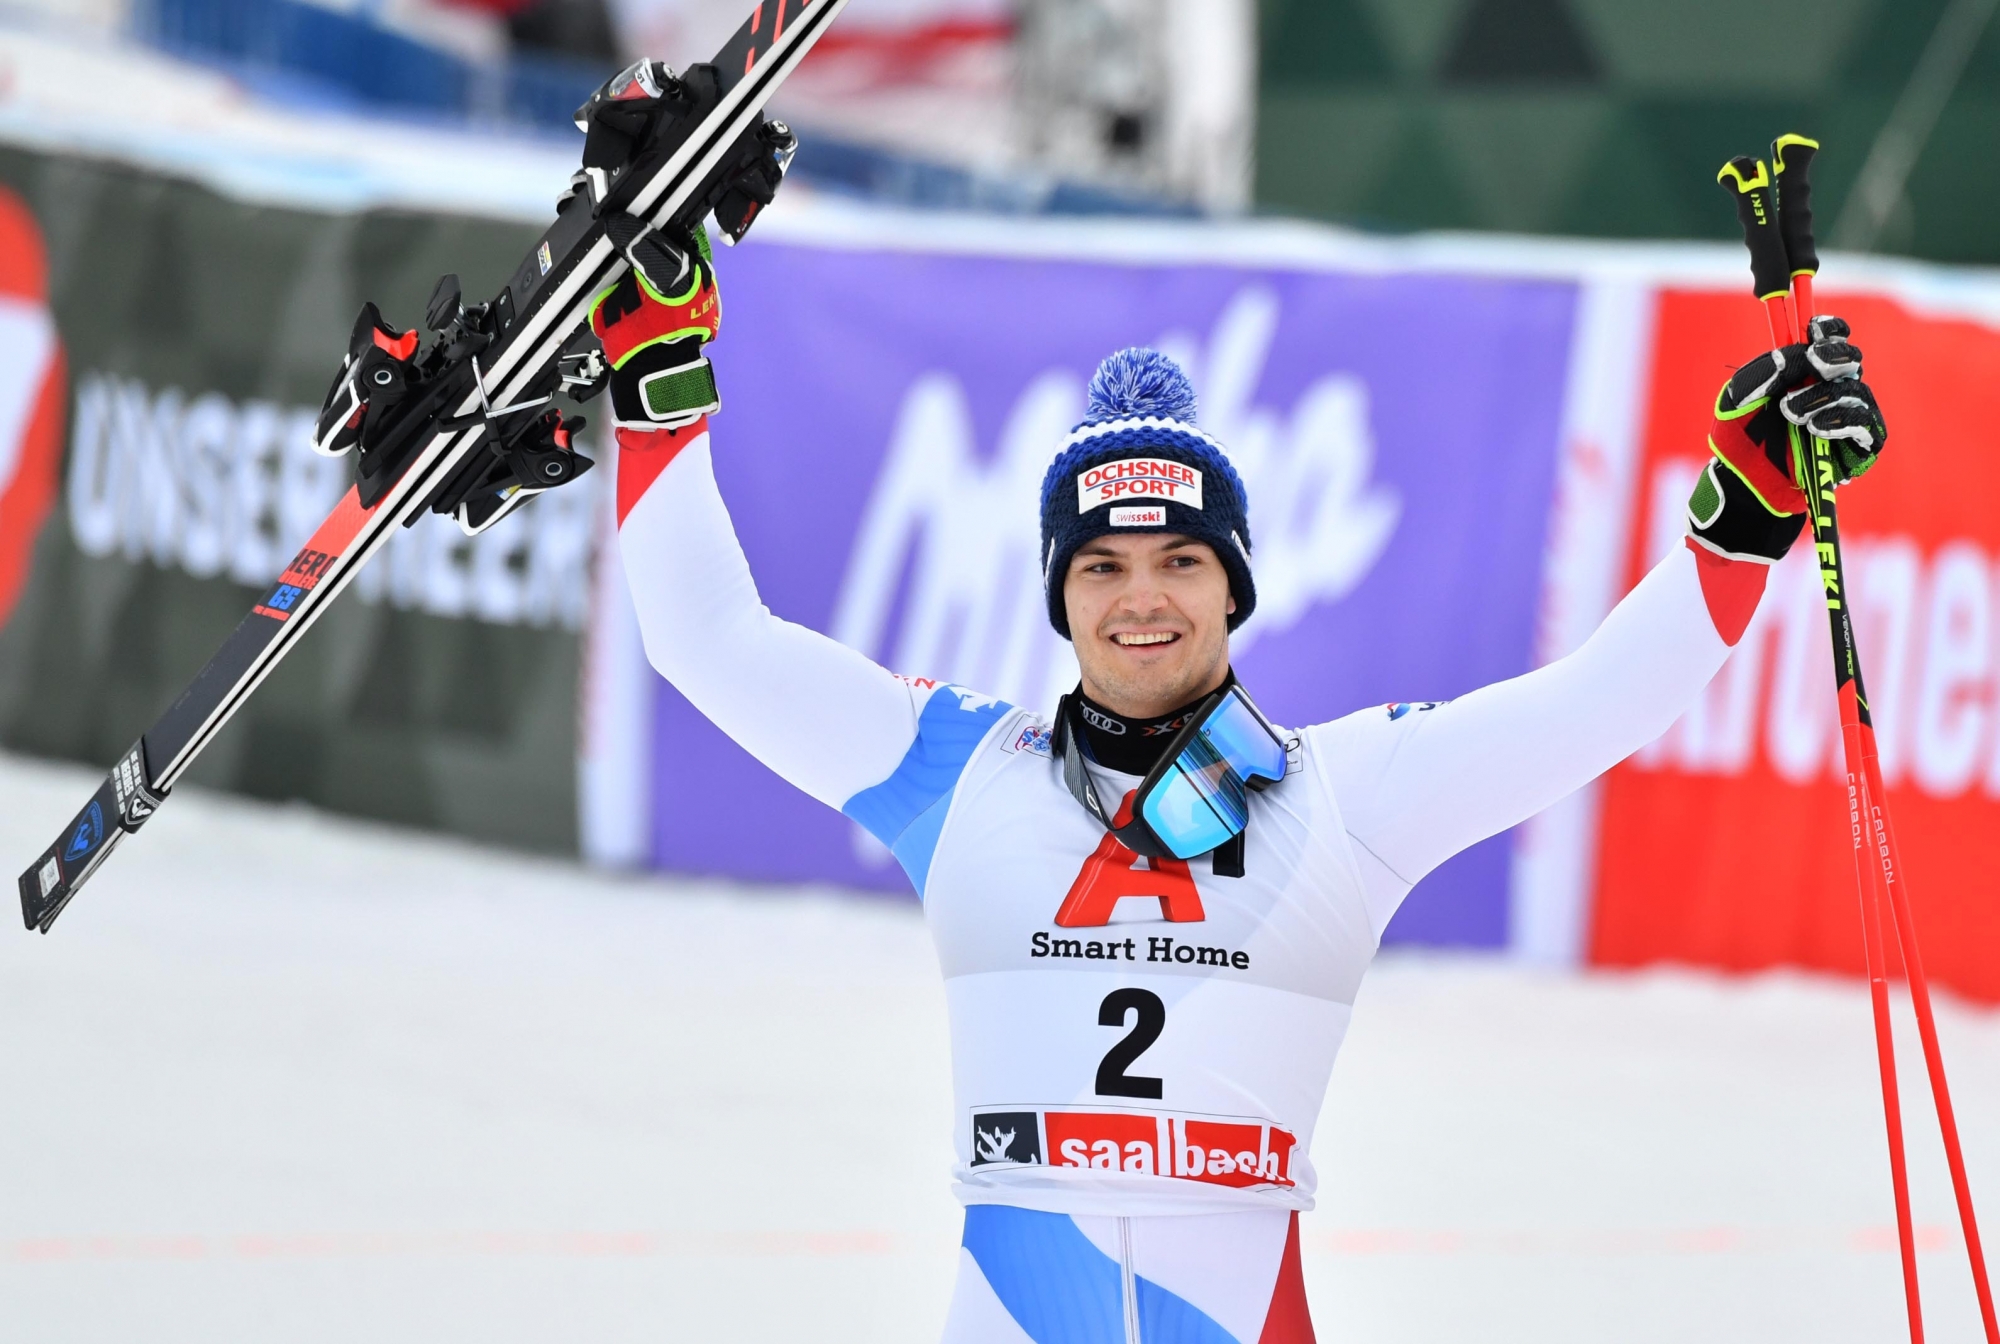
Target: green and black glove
1748 504
653 324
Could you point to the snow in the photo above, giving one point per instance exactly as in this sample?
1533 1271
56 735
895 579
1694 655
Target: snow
282 1077
200 125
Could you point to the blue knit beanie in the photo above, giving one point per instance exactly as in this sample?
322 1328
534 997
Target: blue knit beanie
1138 464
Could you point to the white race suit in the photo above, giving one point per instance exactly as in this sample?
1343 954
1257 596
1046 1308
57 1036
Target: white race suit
1139 1049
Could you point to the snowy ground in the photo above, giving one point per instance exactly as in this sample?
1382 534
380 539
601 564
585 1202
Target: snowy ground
277 1077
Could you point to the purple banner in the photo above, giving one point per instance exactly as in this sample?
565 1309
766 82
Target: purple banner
888 417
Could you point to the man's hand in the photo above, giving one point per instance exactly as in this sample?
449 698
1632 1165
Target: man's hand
1839 407
653 324
1747 504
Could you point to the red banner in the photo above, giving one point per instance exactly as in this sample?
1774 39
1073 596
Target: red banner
33 388
1725 842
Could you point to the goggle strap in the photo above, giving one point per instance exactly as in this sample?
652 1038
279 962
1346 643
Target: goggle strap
1135 835
1226 860
1074 775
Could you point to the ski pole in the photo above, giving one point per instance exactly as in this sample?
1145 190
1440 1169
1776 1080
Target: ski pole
1757 210
1791 179
1791 158
1749 184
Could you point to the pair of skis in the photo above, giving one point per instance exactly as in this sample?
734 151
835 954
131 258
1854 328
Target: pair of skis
1774 205
448 429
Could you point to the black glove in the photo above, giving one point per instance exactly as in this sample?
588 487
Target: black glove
1839 408
653 324
1748 503
1816 386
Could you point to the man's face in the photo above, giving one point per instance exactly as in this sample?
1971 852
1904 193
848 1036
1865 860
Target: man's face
1149 616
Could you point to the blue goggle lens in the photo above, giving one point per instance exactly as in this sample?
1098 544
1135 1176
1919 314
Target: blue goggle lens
1204 799
1244 741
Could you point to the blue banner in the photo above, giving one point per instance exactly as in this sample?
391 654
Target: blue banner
888 416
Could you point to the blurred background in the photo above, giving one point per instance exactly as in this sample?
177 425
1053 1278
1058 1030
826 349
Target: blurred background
425 1011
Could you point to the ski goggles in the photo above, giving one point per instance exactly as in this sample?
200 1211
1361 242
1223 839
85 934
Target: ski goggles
1197 799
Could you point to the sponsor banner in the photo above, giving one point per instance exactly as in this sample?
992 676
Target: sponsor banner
1215 1150
162 371
882 454
217 488
1726 842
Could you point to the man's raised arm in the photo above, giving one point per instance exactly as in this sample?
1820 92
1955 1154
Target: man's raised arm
1418 783
821 715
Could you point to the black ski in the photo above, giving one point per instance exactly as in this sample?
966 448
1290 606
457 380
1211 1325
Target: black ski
447 443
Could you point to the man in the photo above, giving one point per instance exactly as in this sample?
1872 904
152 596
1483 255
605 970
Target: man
1144 1012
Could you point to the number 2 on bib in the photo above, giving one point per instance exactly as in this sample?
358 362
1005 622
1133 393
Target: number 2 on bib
1112 1080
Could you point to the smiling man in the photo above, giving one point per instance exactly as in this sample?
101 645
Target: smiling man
1154 610
1153 911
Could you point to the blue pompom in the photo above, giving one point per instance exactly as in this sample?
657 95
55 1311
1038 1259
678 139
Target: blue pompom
1140 382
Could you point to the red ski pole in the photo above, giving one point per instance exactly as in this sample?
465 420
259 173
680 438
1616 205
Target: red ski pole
1791 157
1757 210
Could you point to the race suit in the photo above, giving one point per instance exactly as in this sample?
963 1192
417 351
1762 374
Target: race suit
1139 1048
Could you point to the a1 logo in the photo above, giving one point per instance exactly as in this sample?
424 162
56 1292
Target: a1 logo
1113 872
